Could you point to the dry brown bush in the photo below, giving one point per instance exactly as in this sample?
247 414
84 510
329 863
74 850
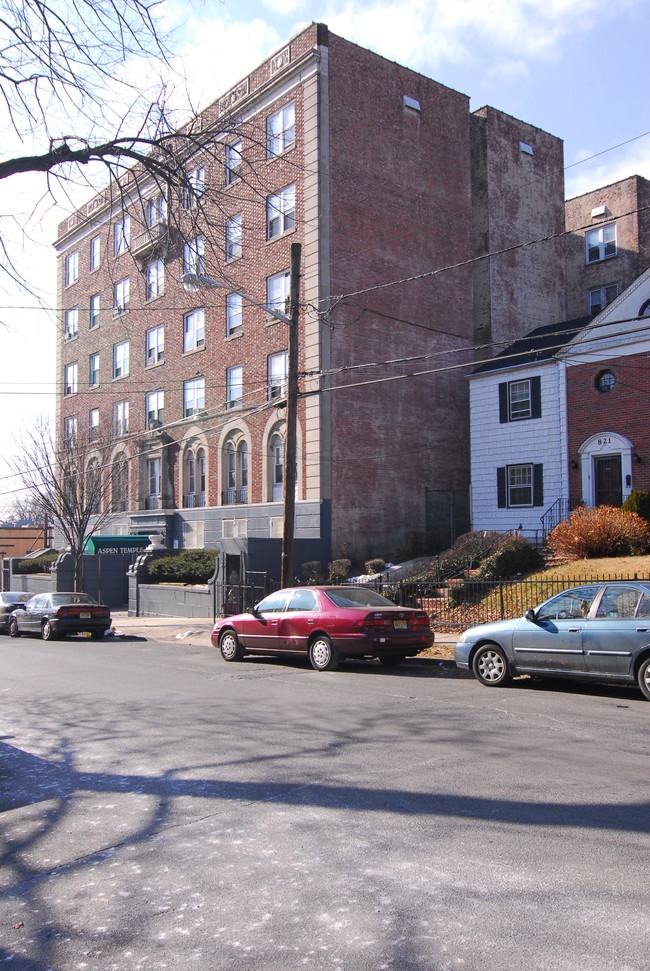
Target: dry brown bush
600 531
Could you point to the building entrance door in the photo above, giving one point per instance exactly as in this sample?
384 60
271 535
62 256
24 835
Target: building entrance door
609 484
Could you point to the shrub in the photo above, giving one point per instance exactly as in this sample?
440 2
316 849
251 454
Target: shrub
514 556
312 571
376 565
187 566
339 570
603 531
638 502
38 564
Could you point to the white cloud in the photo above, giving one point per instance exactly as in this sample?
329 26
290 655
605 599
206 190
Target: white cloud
604 169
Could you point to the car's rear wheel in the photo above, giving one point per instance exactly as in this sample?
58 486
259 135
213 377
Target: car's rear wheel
643 678
490 666
231 649
13 627
47 631
323 656
391 660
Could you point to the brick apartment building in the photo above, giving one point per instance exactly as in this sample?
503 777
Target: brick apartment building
382 175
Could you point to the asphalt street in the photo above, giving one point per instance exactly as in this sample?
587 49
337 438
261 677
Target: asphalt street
163 809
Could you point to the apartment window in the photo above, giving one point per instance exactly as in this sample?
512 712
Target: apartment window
94 484
120 485
71 322
281 131
122 236
93 370
194 256
194 187
95 253
121 295
154 469
277 374
70 432
121 359
71 375
233 238
194 330
94 311
599 297
233 314
120 418
93 424
601 243
71 268
193 396
233 162
155 345
234 386
276 446
278 291
155 280
155 408
281 212
235 472
156 210
520 486
521 399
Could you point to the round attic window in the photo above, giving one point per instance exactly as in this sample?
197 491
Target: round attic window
605 381
645 309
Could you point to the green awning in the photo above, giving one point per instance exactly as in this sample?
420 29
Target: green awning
117 544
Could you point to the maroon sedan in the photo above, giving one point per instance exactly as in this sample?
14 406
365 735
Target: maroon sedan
327 624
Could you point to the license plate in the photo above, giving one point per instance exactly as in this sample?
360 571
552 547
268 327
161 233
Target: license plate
399 624
85 615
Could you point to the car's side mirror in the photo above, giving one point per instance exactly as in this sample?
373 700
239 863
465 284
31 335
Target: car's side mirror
255 612
530 615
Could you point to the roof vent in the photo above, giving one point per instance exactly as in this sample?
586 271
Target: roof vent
527 149
598 212
411 103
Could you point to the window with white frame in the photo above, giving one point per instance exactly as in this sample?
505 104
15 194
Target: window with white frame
193 396
276 448
281 212
155 408
71 322
601 243
235 471
233 237
233 161
520 485
120 484
93 424
156 210
93 319
194 187
94 485
120 418
233 314
278 291
599 297
194 256
519 399
281 131
277 375
155 280
234 386
154 475
121 359
194 330
155 338
71 268
70 432
95 253
71 377
121 236
121 296
93 370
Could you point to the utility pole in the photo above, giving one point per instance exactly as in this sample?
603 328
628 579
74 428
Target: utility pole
290 458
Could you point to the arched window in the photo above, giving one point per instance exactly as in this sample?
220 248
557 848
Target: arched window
645 309
194 477
120 484
276 447
235 470
200 471
94 487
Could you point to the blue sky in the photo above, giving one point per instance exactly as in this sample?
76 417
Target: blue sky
575 68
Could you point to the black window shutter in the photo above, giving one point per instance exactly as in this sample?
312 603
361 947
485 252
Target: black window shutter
501 488
536 397
538 485
503 402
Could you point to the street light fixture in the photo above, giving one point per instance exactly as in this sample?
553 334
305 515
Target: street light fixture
194 282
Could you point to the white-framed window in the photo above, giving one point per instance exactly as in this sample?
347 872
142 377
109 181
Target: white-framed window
601 243
120 484
281 131
93 424
71 322
122 236
121 296
93 370
235 471
277 374
155 408
154 476
520 485
233 237
278 291
120 418
155 280
233 314
281 212
194 256
519 399
194 330
156 210
94 481
233 161
71 379
234 386
155 339
95 253
70 432
599 297
121 359
193 396
71 268
276 448
194 187
93 318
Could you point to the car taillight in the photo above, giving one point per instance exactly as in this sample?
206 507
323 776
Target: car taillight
374 622
77 610
419 621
